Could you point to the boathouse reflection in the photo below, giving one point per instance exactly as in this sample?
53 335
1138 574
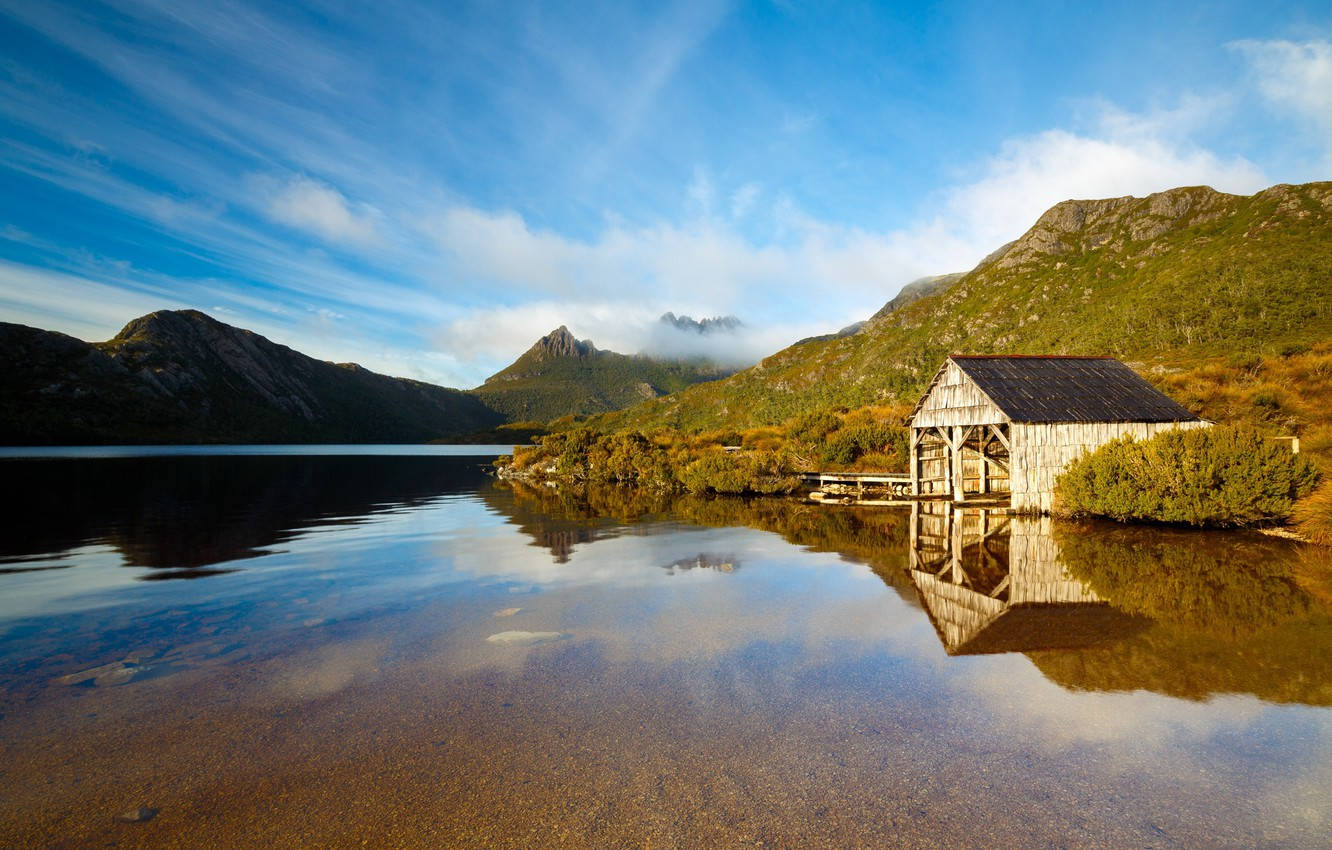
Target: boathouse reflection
991 582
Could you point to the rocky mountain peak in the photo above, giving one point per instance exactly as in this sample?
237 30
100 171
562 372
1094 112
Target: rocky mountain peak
1078 226
701 326
561 343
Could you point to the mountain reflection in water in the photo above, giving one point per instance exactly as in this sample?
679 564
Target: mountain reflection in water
402 650
182 514
1094 605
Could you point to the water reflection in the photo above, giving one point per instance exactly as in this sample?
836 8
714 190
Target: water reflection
1095 606
499 666
1100 606
994 583
561 520
180 515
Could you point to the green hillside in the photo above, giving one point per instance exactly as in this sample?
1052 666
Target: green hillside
184 377
561 375
1178 276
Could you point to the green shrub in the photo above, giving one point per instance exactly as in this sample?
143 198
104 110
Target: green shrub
813 427
851 444
1220 476
763 473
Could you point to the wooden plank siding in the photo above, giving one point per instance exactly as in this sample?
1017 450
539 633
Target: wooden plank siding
1043 450
954 400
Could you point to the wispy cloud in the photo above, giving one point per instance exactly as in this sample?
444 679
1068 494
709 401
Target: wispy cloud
456 181
317 207
1295 78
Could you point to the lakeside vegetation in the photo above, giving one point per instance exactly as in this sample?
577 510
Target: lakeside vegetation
1223 476
761 460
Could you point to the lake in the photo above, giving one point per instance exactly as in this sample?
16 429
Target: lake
282 647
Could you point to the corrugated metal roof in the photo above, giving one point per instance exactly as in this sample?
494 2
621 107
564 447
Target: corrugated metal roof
1069 389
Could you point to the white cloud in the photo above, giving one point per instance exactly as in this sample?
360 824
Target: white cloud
316 207
615 284
1294 75
1133 155
742 199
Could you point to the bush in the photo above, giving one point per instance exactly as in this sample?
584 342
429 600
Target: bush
851 444
764 473
813 427
1220 476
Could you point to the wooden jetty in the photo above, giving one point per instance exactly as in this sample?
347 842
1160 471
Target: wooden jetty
859 488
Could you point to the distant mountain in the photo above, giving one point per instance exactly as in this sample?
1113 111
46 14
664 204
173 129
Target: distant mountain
716 324
1185 273
914 291
561 375
182 376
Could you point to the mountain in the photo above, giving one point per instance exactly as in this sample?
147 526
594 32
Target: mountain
560 375
915 290
1179 275
715 324
182 376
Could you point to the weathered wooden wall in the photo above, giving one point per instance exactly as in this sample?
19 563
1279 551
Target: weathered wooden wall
1042 451
955 400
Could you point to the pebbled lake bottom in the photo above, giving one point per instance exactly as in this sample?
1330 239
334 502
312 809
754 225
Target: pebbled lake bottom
394 650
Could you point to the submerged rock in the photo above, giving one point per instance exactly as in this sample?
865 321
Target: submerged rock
142 814
506 612
115 673
517 638
118 676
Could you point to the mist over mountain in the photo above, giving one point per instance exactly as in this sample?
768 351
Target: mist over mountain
561 375
725 341
716 324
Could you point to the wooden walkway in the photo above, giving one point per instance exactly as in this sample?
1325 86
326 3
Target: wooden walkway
879 488
837 486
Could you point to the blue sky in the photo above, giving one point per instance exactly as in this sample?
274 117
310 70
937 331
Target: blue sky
426 188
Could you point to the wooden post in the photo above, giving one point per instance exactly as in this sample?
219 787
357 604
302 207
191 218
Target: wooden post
984 460
915 461
955 456
955 515
915 535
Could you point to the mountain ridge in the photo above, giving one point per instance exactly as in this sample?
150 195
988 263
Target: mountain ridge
1187 272
182 376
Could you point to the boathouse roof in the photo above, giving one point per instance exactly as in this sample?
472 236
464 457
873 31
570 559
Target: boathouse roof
1063 388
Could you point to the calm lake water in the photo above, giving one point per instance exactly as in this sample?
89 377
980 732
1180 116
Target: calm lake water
329 648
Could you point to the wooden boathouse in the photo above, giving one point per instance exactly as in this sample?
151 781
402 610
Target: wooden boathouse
996 426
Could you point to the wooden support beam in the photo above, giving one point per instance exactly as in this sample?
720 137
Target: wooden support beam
915 462
955 458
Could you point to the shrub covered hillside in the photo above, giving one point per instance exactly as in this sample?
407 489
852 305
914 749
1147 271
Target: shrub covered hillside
755 461
1224 476
1183 275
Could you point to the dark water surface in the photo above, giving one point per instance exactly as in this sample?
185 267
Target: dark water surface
393 650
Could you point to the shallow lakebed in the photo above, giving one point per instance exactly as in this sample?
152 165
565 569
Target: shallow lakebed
330 648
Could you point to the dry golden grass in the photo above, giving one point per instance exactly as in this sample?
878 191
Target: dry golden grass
1313 515
1282 395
